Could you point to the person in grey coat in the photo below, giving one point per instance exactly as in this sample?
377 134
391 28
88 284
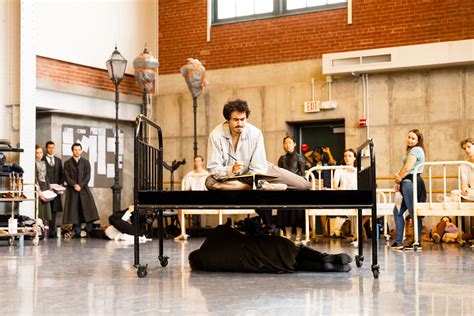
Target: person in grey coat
80 206
54 170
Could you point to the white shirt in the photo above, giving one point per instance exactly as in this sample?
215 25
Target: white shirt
467 176
50 160
346 179
195 181
250 151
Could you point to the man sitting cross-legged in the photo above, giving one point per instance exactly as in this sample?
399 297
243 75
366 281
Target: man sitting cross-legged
236 147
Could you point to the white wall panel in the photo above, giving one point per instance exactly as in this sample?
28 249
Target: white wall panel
85 31
84 106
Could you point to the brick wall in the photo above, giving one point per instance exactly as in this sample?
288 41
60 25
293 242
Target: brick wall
66 72
382 23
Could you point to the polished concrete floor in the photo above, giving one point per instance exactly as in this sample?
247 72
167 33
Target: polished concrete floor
96 277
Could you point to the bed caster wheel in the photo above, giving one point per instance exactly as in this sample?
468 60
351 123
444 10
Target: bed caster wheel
11 241
35 241
163 260
142 271
376 272
359 260
415 247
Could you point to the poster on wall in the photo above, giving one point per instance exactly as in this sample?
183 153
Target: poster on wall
98 146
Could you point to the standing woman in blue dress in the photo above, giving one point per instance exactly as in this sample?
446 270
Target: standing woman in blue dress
415 155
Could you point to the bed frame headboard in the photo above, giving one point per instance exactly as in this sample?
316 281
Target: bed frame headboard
148 159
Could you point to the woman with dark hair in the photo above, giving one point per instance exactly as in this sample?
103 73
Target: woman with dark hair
346 179
228 250
321 156
414 156
293 162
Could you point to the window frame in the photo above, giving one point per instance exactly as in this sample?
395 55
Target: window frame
279 10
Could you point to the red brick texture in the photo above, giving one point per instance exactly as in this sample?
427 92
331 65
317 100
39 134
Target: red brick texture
65 72
375 24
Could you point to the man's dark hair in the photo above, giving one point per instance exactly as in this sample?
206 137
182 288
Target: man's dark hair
75 145
236 105
286 137
49 142
199 156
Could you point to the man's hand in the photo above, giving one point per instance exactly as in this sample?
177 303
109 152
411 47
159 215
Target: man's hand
326 150
464 190
237 167
77 187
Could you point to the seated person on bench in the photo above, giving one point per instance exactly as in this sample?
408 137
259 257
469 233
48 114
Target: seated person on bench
236 147
467 174
228 250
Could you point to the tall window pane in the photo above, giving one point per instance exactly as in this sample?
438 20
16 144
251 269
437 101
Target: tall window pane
301 4
263 6
313 3
225 9
295 4
245 7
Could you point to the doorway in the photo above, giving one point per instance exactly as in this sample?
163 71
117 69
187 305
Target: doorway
322 134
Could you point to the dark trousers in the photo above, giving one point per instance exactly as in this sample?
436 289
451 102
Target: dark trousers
52 225
77 227
125 227
309 260
291 218
266 216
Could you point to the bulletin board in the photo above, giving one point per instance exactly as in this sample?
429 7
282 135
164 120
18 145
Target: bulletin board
98 146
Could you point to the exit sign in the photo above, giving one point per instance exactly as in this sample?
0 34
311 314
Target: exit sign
312 106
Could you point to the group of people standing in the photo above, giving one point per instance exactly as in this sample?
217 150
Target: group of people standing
79 204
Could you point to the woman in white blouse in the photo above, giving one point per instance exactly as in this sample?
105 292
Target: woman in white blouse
346 179
467 174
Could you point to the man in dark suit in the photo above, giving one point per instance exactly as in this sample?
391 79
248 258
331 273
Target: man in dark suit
80 206
54 171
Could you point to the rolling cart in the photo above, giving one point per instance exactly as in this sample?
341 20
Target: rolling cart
13 192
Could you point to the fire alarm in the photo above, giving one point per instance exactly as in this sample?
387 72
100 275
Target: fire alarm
362 122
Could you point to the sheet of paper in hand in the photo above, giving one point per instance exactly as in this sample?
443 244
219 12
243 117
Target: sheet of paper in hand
57 188
47 196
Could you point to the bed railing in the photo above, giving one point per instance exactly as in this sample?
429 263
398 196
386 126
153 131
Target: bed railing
453 207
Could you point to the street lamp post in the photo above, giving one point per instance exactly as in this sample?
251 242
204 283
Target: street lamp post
194 75
116 66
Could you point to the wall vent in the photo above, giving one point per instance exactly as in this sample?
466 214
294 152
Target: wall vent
399 58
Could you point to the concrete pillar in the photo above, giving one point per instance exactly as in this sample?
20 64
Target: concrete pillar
10 65
27 95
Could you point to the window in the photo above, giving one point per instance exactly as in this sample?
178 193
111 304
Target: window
231 9
303 4
225 11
